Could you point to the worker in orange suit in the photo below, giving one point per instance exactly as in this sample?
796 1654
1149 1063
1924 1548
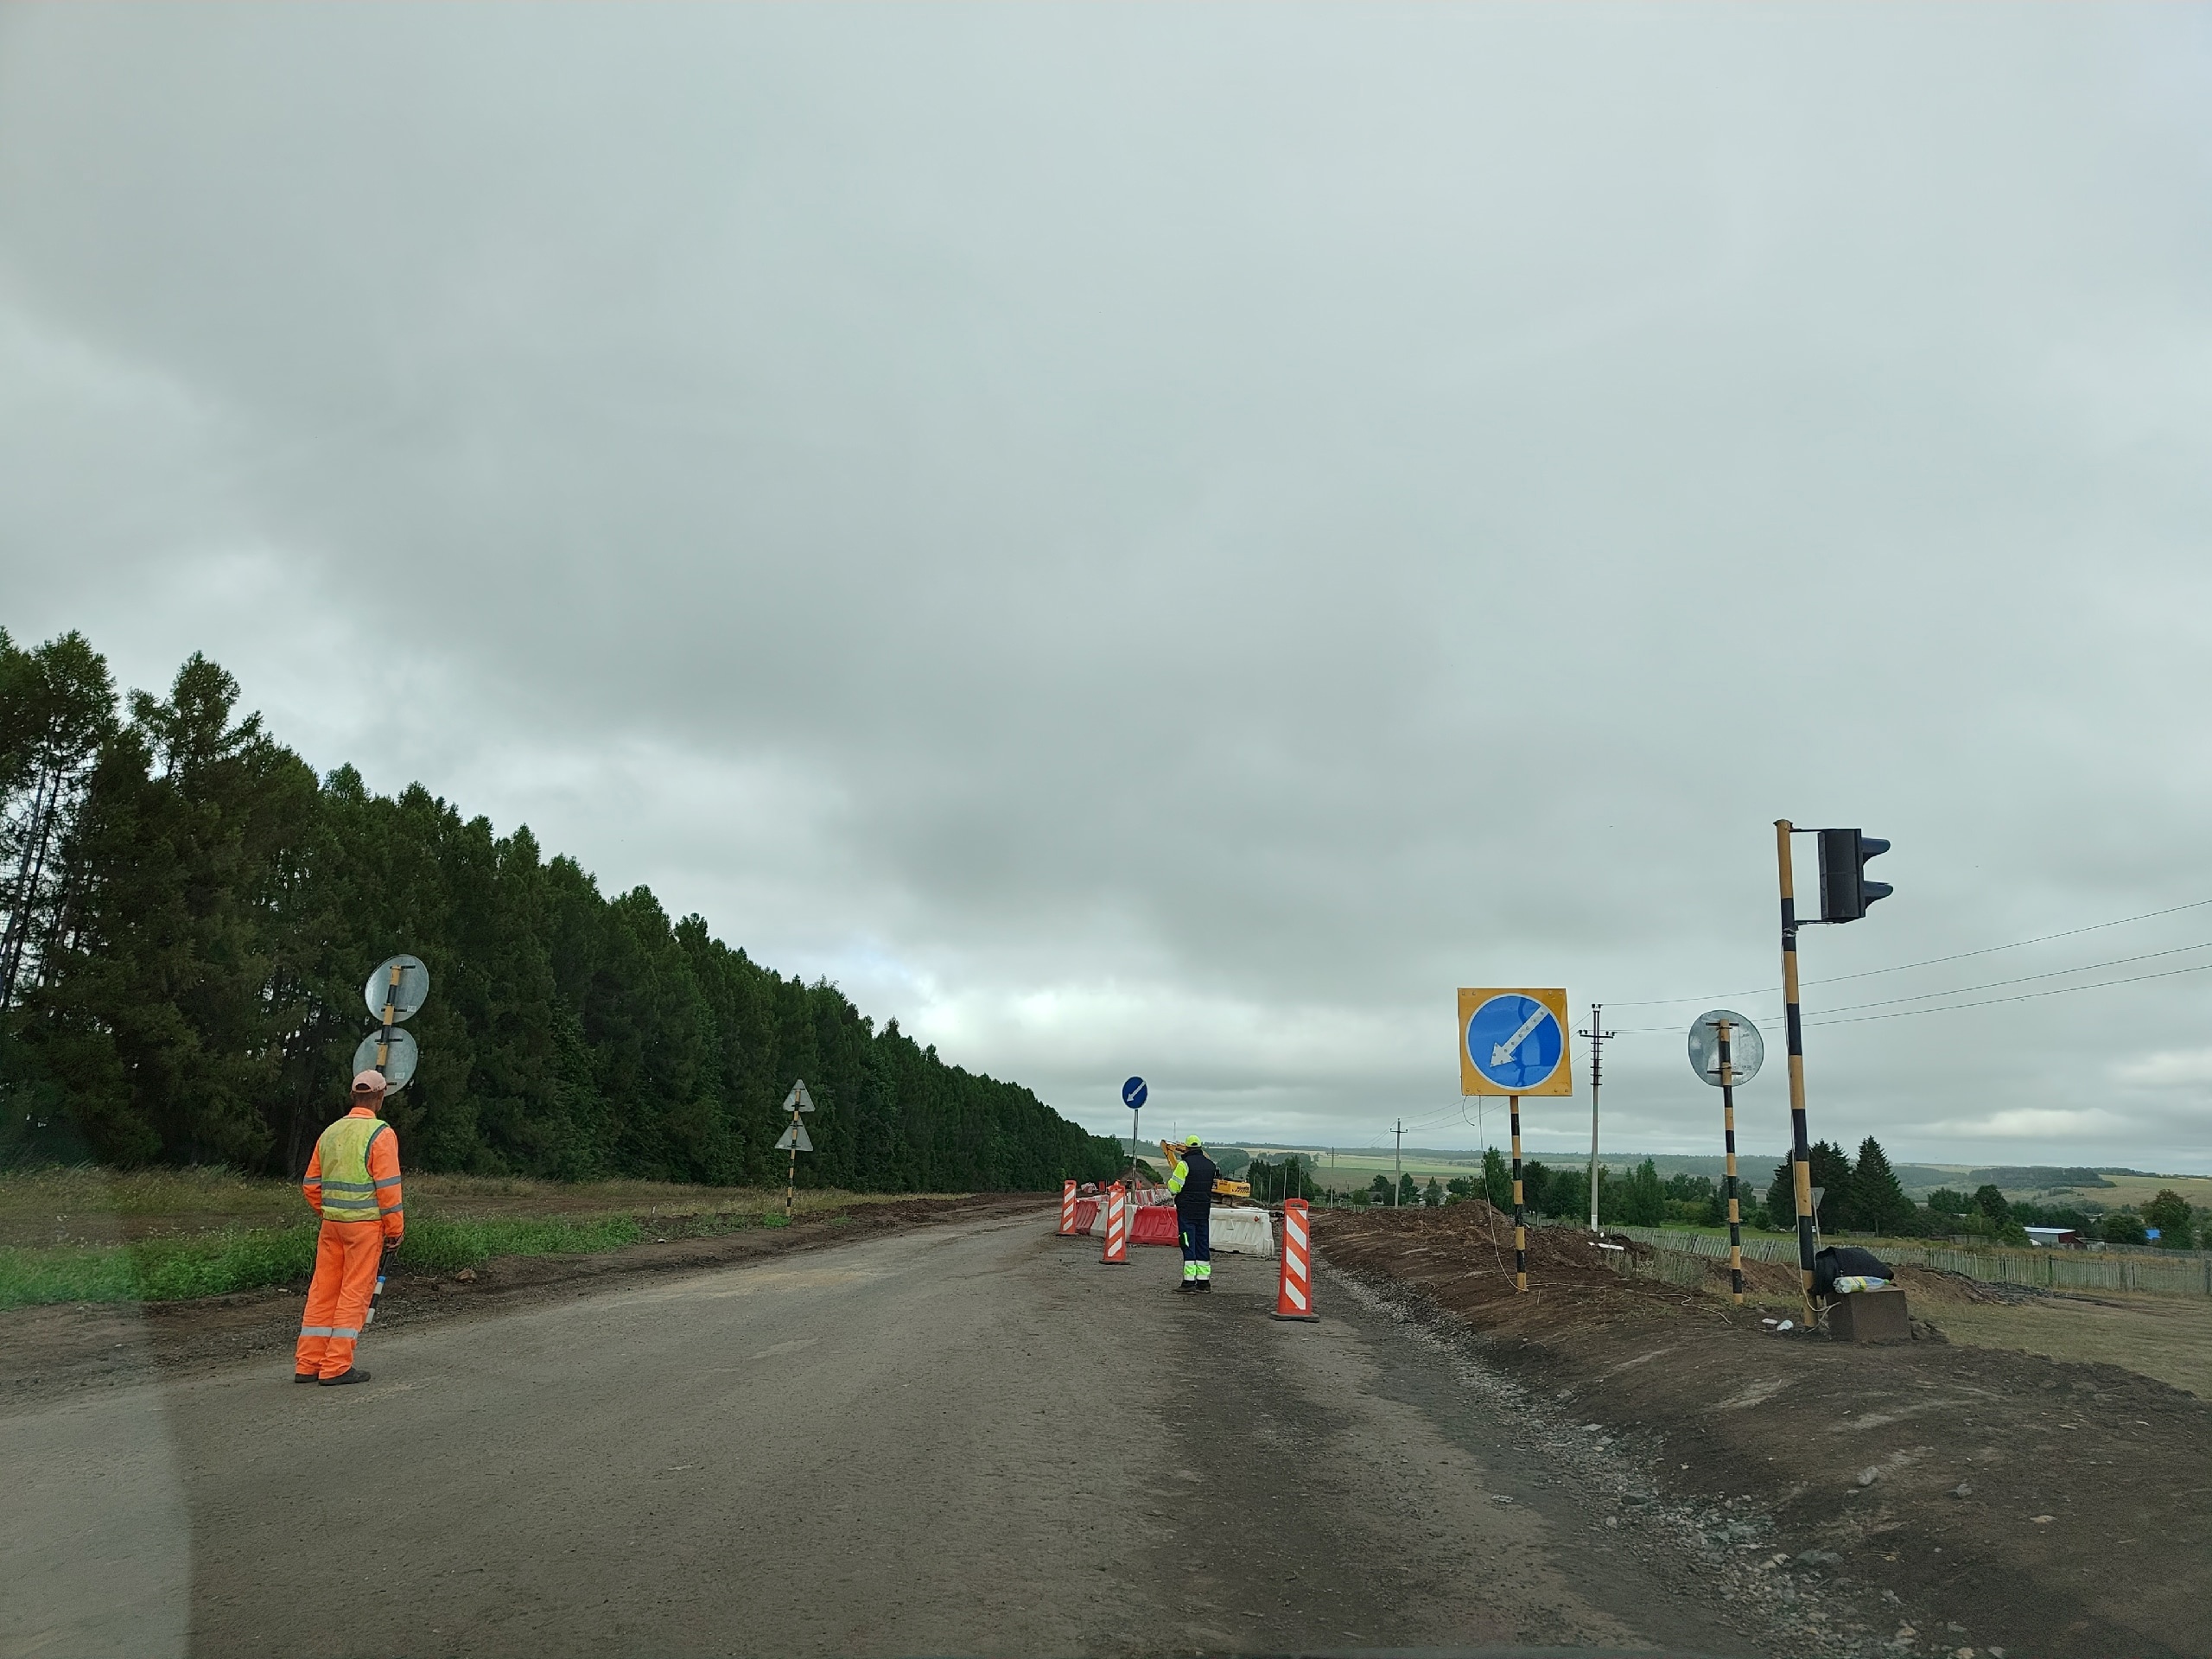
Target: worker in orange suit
352 1183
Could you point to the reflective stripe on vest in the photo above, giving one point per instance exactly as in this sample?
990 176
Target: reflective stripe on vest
348 1192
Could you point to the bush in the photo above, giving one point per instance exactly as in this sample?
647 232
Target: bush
2169 1213
2122 1227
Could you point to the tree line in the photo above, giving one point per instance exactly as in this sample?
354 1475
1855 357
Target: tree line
189 915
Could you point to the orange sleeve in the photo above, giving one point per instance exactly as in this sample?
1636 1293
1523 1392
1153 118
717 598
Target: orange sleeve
311 1183
384 1173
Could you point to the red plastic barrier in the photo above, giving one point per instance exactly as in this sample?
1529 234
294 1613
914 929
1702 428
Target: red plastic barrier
1086 1211
1155 1224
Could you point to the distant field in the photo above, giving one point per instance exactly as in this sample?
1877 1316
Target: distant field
2159 1336
2132 1190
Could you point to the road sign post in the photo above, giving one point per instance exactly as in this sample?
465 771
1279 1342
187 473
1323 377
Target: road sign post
396 992
1514 1043
1726 1050
795 1138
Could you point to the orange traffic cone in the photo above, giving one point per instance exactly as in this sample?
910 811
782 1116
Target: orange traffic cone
1294 1289
1117 1227
1067 1210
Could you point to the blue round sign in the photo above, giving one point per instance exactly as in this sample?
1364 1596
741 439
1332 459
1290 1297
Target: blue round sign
1515 1042
1133 1093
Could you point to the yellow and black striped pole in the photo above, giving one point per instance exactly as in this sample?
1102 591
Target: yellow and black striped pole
1728 1131
1520 1216
391 1009
1801 1155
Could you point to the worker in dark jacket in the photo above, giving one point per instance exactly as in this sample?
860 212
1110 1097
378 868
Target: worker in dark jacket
1191 1182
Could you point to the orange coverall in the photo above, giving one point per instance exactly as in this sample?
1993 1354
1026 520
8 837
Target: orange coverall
346 1257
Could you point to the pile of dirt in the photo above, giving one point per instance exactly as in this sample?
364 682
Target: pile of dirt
1938 1497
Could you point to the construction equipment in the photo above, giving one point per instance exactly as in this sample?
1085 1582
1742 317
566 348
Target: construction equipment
1223 1188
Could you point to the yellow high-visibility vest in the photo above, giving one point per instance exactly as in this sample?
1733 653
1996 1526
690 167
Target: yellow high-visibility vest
348 1194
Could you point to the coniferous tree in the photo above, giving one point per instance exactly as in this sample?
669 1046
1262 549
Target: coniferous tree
197 941
1643 1197
1497 1179
1877 1203
1831 1173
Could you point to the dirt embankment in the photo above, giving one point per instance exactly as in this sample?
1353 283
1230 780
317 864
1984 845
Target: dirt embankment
49 1350
1934 1496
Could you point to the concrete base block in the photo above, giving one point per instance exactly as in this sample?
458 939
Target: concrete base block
1869 1316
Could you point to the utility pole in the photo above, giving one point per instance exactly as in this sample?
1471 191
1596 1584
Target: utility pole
1597 1033
1398 1163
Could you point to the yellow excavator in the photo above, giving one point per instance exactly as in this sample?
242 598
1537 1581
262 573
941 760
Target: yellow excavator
1223 1187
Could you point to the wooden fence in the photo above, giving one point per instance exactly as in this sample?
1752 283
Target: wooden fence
2048 1270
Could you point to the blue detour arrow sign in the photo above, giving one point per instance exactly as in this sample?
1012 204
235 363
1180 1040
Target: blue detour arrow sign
1133 1093
1514 1042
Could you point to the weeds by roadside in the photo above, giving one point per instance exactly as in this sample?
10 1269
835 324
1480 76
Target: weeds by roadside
172 1267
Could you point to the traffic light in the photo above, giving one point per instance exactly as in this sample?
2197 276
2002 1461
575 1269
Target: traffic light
1844 890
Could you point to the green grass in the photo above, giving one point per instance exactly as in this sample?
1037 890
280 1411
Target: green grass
80 1234
214 1264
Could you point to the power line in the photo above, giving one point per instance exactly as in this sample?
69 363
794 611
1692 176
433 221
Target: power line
1929 961
1827 1015
2025 997
2023 979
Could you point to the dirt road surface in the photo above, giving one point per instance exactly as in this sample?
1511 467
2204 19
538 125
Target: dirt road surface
970 1438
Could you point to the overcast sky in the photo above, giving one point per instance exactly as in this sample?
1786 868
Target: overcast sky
1168 540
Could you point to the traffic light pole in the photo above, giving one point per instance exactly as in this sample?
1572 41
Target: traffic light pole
1801 1155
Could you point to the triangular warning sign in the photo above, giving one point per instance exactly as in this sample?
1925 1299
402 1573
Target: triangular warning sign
798 1100
795 1136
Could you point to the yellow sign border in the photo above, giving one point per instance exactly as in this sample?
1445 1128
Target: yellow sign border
1472 1082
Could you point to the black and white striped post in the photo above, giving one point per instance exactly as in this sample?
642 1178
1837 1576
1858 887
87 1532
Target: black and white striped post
1520 1215
1726 1051
1722 1028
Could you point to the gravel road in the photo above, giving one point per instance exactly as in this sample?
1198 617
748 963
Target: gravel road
968 1439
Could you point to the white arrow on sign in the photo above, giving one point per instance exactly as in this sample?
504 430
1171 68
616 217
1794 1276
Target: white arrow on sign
799 1101
1501 1053
796 1137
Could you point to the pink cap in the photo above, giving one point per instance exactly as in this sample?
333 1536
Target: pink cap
368 1083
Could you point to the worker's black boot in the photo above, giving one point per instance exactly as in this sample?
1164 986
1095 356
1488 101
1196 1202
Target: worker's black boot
356 1374
306 1377
1202 1284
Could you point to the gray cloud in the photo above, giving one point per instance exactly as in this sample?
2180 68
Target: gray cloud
1168 541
